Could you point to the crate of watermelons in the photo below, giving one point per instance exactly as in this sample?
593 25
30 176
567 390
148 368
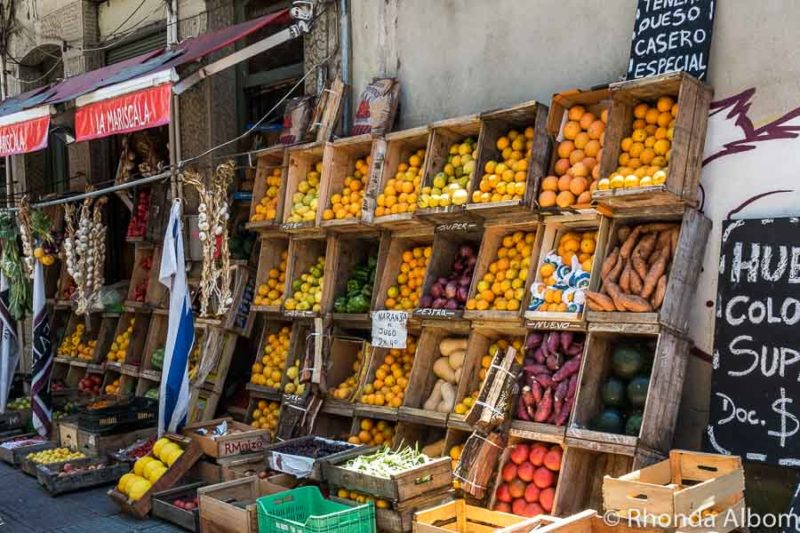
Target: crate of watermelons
302 457
131 413
79 475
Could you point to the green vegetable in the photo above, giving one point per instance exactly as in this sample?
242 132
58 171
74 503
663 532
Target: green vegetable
609 421
637 390
627 361
613 393
340 304
386 462
358 289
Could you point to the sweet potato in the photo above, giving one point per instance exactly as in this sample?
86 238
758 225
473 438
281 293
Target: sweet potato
609 262
554 361
572 387
522 412
563 414
536 369
539 355
598 302
635 304
674 244
630 242
615 272
545 407
655 272
545 380
641 252
656 226
537 391
561 390
636 282
661 290
616 294
664 239
570 367
623 232
625 278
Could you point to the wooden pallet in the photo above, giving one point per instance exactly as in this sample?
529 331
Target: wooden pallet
495 124
682 275
685 164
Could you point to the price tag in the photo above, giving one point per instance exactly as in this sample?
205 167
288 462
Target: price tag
389 329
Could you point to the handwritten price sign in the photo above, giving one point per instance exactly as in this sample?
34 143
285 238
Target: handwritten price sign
389 329
755 386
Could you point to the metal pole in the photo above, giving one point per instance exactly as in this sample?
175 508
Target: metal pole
344 46
3 96
174 119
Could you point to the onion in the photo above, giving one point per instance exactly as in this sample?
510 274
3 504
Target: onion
466 250
425 301
462 294
437 289
451 304
439 303
463 281
458 266
451 290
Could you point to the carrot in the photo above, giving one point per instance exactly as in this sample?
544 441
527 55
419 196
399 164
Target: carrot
598 302
609 263
622 233
655 272
661 290
630 242
625 278
636 282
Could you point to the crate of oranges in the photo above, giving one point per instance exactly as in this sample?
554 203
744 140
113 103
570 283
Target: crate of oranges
372 432
348 192
303 180
567 267
400 179
271 274
387 379
268 188
656 150
269 367
404 272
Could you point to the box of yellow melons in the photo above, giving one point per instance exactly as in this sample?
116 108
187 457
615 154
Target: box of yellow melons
170 459
654 142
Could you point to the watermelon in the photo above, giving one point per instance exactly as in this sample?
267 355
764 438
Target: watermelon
613 393
157 359
634 424
626 361
609 420
637 390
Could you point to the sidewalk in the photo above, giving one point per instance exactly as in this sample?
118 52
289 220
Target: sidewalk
27 507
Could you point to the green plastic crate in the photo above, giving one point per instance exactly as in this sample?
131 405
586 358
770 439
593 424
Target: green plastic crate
304 510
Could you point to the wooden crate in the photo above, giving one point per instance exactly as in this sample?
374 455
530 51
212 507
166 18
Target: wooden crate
554 228
400 487
106 334
96 444
141 508
681 281
280 457
301 159
583 468
339 366
15 456
238 467
399 517
133 355
303 254
495 124
218 349
157 294
660 411
267 161
245 439
156 339
140 277
686 160
165 510
443 134
461 517
333 425
350 251
399 147
202 405
48 476
230 507
595 101
444 250
239 319
685 484
492 241
269 327
270 256
418 434
338 163
391 256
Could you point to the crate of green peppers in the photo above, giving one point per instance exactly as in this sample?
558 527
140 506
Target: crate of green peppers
358 290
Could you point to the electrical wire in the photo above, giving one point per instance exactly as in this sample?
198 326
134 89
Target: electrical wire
136 10
43 76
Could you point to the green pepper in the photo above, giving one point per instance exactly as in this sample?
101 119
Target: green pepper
340 304
353 286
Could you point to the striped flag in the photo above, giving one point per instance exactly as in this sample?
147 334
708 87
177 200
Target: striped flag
174 393
41 402
9 345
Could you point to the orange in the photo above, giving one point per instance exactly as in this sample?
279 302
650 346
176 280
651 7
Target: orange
578 185
665 104
576 112
674 110
584 198
596 129
565 148
563 182
561 167
586 120
571 129
604 116
550 183
580 169
565 199
547 198
576 155
664 119
581 140
651 117
640 110
639 124
661 147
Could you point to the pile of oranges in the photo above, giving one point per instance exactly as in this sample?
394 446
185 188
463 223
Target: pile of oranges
505 180
271 292
502 287
73 345
391 377
400 193
267 207
265 415
373 433
347 202
120 345
346 389
578 164
645 154
113 387
404 296
268 372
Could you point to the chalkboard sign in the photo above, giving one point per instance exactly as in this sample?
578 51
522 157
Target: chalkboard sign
671 35
793 525
755 384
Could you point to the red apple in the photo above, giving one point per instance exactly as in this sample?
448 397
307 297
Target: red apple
509 472
553 459
503 507
532 509
518 506
516 488
538 451
543 478
525 471
519 453
546 498
532 493
503 494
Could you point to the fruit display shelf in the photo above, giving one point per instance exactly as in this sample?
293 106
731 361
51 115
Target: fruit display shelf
271 281
303 180
269 189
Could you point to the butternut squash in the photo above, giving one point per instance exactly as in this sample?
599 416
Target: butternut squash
434 449
449 345
442 370
456 359
448 398
435 398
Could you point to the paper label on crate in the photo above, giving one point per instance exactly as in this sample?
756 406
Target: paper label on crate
294 465
389 329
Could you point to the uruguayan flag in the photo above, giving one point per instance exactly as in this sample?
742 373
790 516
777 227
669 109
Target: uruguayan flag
174 395
9 346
